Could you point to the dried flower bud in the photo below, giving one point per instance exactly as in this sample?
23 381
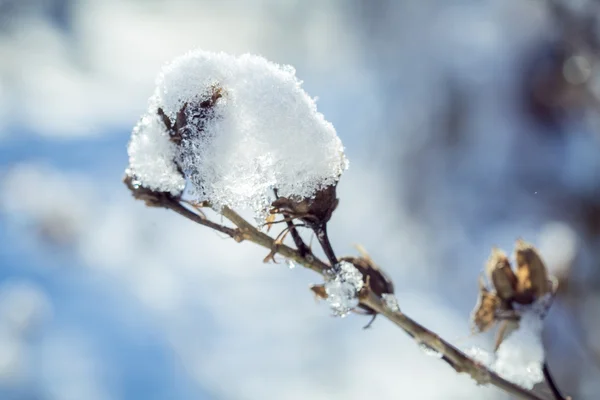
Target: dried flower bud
484 314
314 211
374 277
501 275
532 274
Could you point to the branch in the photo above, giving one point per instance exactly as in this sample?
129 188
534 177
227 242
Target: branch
457 359
423 336
552 385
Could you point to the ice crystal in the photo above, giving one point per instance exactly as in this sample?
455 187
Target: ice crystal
343 287
290 263
390 301
242 126
428 350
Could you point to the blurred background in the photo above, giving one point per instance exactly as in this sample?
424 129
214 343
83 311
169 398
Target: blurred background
468 124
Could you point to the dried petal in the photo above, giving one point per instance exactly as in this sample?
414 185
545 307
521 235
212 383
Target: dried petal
484 314
532 274
501 275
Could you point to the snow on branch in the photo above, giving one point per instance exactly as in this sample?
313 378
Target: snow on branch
235 129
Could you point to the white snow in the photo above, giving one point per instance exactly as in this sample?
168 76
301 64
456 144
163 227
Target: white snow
342 289
520 357
152 156
264 132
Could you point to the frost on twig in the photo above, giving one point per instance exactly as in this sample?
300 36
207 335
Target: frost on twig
391 302
233 129
343 287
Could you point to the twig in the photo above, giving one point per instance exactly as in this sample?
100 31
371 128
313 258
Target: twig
551 384
250 233
323 238
303 249
174 205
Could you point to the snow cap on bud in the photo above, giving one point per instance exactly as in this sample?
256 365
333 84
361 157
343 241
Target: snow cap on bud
236 128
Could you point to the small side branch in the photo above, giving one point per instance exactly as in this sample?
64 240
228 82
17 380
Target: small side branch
323 238
552 385
250 233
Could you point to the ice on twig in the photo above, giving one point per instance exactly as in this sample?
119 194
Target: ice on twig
429 351
237 127
343 287
390 302
290 263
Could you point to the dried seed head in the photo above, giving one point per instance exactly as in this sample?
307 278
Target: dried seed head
374 277
501 275
484 314
314 211
532 274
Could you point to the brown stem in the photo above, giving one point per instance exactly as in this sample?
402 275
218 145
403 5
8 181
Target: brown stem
250 233
323 238
174 205
303 249
552 384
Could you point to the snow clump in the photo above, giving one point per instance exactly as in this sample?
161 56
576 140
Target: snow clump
343 288
233 128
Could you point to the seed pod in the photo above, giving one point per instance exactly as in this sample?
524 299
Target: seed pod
484 314
501 275
532 274
373 276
